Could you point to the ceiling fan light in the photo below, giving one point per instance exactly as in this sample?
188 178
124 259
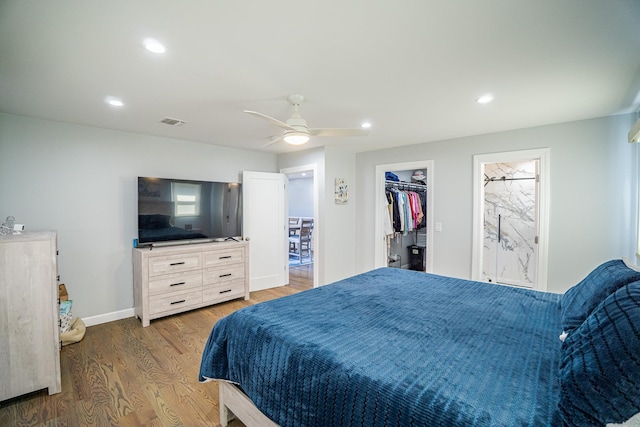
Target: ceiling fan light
154 46
296 138
485 99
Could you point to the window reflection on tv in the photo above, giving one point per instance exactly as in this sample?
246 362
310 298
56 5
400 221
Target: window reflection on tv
187 211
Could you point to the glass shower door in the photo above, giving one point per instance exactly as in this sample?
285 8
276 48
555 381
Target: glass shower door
510 223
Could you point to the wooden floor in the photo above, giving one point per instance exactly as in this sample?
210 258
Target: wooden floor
122 374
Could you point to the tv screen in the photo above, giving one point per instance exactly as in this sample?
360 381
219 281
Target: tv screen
185 211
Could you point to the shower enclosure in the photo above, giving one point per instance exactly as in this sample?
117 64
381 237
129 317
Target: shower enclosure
510 223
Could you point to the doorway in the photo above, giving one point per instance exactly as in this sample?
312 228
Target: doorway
510 217
302 213
381 241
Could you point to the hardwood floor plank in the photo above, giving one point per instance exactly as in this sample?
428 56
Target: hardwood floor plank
122 374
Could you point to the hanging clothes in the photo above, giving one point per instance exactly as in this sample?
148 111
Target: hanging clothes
407 209
387 215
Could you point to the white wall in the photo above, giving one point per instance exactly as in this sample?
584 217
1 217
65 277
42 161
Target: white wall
340 229
82 182
593 195
300 192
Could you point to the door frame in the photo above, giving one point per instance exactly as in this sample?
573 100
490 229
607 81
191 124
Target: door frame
542 214
381 203
317 224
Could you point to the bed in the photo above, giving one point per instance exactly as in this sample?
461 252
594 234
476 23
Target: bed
394 347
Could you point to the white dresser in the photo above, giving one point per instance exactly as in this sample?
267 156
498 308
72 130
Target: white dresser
29 334
172 279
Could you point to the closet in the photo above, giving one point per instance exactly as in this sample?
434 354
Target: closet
406 230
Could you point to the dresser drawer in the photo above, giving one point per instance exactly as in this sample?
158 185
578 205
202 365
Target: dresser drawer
228 290
223 257
175 282
174 263
177 301
222 274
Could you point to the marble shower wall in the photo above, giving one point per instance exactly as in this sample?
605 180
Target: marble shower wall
510 252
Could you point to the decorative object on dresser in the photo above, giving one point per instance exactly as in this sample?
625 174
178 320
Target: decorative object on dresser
29 334
173 279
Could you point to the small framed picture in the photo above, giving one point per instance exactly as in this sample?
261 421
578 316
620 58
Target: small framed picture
341 191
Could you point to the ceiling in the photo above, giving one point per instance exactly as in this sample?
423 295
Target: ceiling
413 68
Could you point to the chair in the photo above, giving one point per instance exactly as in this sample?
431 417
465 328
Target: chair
300 243
294 225
294 228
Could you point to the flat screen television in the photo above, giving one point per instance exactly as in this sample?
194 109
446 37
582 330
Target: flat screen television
178 211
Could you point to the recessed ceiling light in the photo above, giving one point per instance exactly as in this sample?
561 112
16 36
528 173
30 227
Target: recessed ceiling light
485 99
154 46
114 102
366 125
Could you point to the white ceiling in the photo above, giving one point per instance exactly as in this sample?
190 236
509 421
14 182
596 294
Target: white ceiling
412 67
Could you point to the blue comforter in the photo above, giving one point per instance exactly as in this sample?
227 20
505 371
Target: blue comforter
395 347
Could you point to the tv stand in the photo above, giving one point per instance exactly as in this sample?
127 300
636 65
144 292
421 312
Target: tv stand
172 279
231 238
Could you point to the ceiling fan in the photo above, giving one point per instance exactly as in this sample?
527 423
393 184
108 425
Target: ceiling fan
296 131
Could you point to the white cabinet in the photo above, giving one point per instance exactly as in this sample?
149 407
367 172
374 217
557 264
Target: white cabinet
172 279
29 334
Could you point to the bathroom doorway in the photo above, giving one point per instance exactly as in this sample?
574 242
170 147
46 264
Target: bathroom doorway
510 217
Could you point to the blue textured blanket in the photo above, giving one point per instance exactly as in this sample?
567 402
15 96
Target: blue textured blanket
395 347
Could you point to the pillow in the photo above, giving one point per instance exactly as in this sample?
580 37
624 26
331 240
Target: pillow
600 363
580 300
153 222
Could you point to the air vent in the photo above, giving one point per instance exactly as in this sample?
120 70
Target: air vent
172 122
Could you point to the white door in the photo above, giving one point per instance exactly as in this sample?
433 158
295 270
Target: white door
264 220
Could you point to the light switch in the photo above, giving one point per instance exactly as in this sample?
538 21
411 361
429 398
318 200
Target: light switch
438 226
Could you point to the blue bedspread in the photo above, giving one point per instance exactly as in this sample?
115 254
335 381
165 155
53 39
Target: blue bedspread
395 347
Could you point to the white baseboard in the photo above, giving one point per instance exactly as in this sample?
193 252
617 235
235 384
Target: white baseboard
108 317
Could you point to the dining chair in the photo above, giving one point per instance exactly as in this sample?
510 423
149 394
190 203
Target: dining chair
300 243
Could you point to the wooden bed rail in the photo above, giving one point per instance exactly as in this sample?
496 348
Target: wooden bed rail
235 404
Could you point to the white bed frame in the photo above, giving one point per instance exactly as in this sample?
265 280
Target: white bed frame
235 404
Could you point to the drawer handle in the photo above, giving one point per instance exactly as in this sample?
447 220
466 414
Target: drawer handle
225 275
225 257
178 302
177 263
177 284
224 292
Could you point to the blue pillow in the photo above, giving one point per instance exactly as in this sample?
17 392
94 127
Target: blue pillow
600 363
580 300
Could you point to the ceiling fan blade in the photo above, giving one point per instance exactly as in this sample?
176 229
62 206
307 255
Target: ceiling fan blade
338 132
271 119
272 141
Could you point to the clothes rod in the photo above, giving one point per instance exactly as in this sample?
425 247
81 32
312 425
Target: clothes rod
405 184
